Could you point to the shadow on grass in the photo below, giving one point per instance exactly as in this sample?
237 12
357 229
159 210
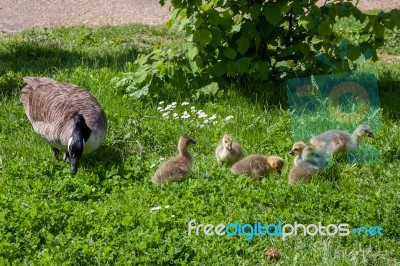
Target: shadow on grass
389 94
24 59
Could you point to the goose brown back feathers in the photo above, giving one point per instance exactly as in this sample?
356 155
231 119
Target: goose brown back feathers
51 106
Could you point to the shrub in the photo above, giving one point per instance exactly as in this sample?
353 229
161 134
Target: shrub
259 40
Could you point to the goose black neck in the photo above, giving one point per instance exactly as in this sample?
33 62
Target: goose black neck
80 127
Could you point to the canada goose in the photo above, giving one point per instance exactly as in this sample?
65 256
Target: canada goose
256 166
177 167
228 150
336 141
65 116
309 163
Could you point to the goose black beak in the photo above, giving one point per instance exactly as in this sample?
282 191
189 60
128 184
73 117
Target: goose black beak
291 152
371 135
74 166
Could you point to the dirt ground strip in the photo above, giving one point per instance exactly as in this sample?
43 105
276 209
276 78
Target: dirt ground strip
17 15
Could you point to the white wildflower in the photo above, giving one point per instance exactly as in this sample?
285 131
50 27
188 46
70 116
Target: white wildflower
192 108
185 103
167 206
185 115
201 114
169 107
159 109
214 116
165 114
206 121
155 208
173 104
162 102
175 114
173 216
229 117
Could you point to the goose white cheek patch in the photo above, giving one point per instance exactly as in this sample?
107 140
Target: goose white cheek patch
69 143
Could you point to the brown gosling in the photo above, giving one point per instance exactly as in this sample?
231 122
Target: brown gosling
257 166
228 150
176 168
337 141
311 162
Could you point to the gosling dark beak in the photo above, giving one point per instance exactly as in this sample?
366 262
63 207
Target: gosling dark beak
371 135
291 152
229 146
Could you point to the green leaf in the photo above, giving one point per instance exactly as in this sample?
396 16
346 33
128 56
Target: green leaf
196 63
193 52
306 22
216 37
379 31
286 7
229 53
255 10
324 29
243 45
353 52
139 93
218 70
262 70
282 65
270 13
242 65
203 37
230 68
249 30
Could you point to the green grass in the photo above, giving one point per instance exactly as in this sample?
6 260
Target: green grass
102 215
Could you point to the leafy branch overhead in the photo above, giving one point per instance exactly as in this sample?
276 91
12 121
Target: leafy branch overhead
259 40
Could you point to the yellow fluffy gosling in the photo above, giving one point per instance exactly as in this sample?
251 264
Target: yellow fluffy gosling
257 166
177 167
228 150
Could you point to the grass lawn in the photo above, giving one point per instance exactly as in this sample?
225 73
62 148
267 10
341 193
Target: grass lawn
103 215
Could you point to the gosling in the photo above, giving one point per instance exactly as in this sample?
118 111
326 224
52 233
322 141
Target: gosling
176 168
311 162
297 149
257 166
228 151
337 141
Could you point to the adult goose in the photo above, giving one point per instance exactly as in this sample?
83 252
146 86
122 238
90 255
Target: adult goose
66 116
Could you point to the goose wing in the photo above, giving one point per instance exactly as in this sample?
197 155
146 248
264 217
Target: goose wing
51 106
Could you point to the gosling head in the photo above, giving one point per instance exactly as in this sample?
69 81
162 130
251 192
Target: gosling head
297 148
227 140
276 163
76 144
313 156
185 142
364 130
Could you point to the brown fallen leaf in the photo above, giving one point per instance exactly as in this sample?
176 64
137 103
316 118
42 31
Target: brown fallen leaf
273 253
